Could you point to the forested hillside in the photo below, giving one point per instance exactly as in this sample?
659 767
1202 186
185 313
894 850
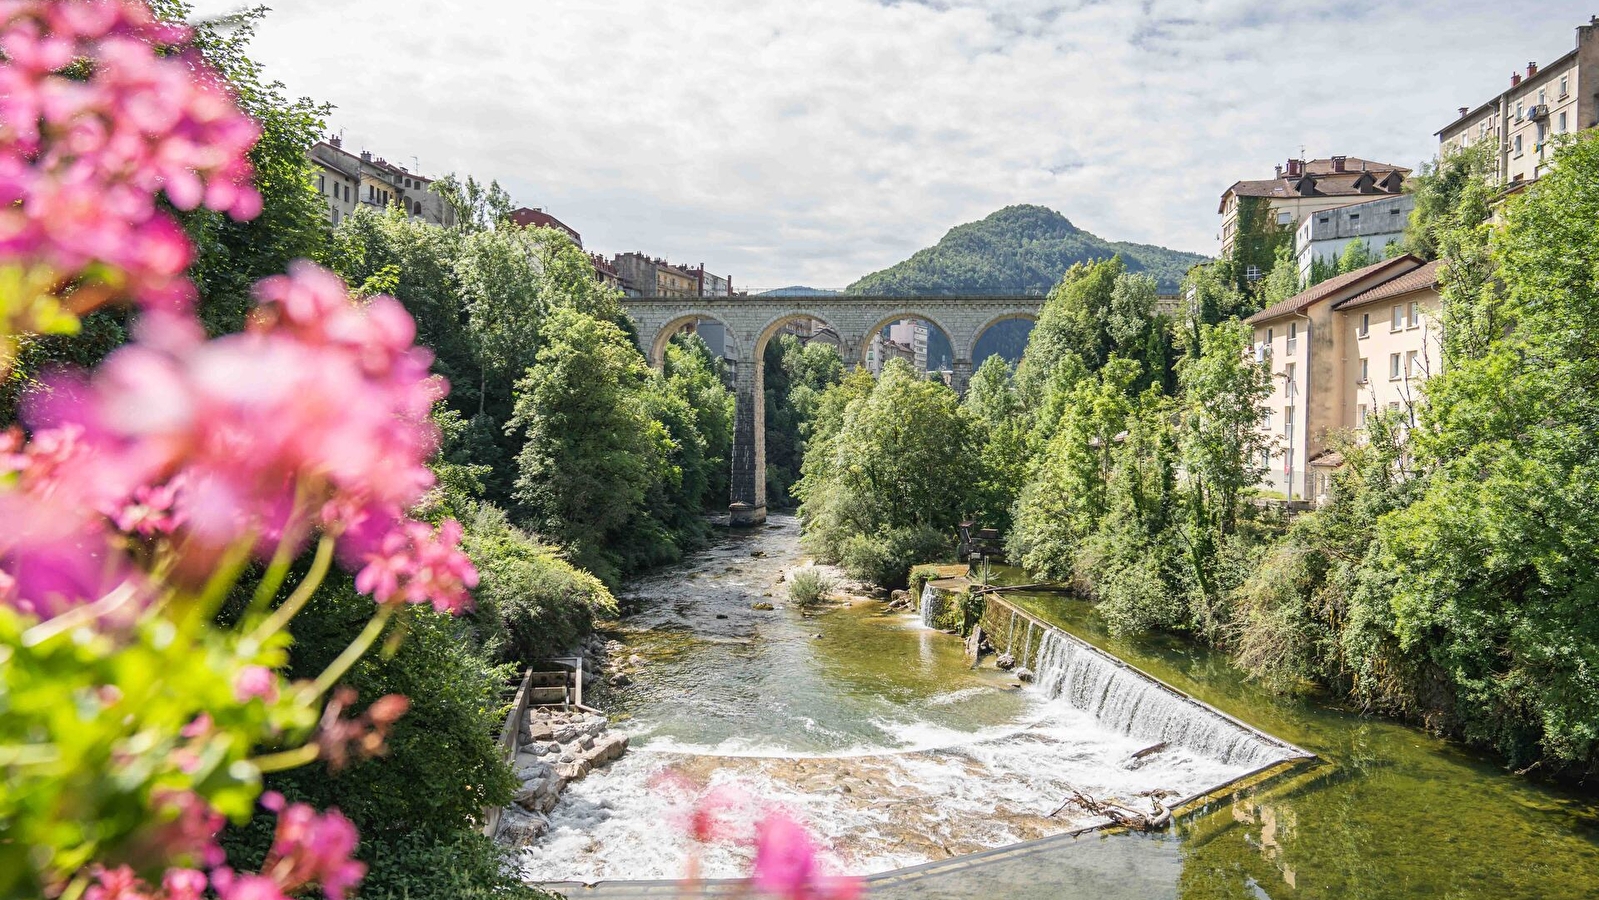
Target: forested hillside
1018 249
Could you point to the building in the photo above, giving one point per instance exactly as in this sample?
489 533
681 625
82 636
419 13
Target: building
347 180
605 271
1339 352
643 276
1540 104
1326 234
538 218
1303 187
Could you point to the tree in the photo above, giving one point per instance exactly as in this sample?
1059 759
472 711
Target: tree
591 451
887 494
1209 296
1003 434
1492 570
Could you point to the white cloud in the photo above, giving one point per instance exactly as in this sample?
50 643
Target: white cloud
812 141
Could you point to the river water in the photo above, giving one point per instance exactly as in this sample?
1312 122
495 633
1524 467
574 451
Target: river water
861 721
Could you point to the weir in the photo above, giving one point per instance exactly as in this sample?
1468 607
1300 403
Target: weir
1130 700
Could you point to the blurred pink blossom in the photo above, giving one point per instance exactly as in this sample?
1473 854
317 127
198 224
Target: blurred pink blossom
256 682
311 848
83 158
788 865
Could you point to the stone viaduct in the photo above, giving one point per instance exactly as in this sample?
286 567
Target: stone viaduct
752 321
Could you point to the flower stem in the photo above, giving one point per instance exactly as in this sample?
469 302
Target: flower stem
287 759
357 648
302 593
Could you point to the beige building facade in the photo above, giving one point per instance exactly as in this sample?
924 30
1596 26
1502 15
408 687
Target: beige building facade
347 180
1541 103
1339 353
1302 187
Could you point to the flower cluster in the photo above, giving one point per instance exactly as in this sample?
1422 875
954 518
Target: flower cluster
308 848
100 112
317 416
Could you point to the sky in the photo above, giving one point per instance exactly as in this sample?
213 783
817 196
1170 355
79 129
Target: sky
813 141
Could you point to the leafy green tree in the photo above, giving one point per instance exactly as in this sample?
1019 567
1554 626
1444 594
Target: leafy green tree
591 452
696 375
1356 255
795 375
1492 570
1209 296
1260 241
1003 432
1064 500
888 493
476 206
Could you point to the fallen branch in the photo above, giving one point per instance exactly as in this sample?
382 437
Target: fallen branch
1119 815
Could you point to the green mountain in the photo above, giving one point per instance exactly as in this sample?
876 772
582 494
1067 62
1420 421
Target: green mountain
1020 249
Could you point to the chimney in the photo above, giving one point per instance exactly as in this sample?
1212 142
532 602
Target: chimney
1293 168
336 141
1338 163
366 156
1515 78
1532 69
1279 171
1464 110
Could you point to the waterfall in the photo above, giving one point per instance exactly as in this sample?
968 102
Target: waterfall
932 608
1010 633
1135 704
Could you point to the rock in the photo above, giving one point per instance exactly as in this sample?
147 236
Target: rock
566 734
1025 676
781 577
566 760
757 553
1005 661
899 596
763 606
520 829
586 743
536 730
620 679
817 636
574 770
635 660
721 615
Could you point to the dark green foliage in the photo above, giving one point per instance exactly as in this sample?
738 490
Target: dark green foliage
886 473
423 800
1259 242
795 376
1019 249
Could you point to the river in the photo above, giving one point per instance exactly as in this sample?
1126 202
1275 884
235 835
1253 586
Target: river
873 729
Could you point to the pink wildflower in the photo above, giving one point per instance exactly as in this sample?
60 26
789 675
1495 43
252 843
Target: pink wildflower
415 564
115 884
183 884
312 848
232 886
256 681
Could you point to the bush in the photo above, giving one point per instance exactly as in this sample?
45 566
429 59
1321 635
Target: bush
809 587
918 579
886 558
539 603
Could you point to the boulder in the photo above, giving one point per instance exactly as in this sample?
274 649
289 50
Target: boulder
620 679
574 770
536 729
1025 676
519 829
1005 661
763 606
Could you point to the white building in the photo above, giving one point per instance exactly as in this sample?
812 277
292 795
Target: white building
347 180
1326 234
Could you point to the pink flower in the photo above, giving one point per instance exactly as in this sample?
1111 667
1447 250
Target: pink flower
232 886
190 829
183 884
256 681
312 848
82 158
787 863
415 564
115 884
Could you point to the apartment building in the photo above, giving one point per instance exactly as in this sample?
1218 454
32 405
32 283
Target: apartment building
1325 235
347 180
1541 103
537 218
1340 352
643 275
1302 187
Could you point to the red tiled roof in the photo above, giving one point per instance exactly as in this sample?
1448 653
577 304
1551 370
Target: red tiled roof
1381 271
1414 280
1360 176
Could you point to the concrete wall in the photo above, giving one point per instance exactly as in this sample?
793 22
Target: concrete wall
1325 234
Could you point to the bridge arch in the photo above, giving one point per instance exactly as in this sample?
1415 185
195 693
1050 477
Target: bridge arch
664 335
773 324
1012 316
911 313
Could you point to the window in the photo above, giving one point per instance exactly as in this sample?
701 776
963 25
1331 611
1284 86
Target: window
1252 273
1284 218
1393 367
322 184
1365 370
1360 415
1398 319
1393 404
1325 219
1365 324
1518 111
1354 217
1412 315
1411 368
1563 81
1516 145
1562 129
1288 420
1541 97
1293 337
335 215
1271 335
1288 374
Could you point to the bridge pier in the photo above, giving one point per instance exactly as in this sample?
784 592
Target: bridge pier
961 375
748 506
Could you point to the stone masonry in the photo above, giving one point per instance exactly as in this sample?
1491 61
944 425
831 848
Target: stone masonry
752 321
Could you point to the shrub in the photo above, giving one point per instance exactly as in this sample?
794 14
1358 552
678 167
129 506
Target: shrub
886 558
809 587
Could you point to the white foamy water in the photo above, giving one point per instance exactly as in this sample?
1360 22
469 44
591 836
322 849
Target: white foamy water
877 811
1125 700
